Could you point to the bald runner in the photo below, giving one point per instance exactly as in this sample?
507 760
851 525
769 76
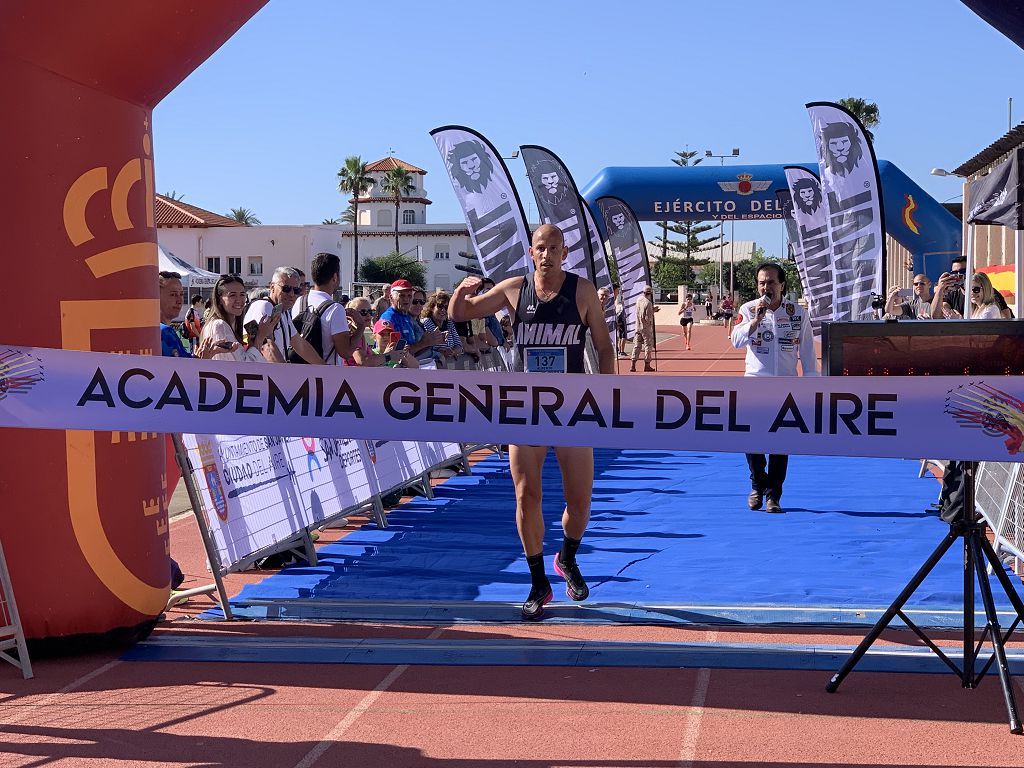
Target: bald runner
552 312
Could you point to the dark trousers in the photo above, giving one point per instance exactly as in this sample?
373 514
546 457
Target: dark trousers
770 482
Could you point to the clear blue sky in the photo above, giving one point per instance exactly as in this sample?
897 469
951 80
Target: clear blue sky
268 119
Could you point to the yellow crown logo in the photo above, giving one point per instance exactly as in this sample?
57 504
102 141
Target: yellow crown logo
138 170
744 176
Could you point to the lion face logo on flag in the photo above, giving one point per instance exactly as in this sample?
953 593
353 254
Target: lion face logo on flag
470 164
843 147
552 186
808 195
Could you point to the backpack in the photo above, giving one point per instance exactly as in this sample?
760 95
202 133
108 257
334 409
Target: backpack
191 322
307 323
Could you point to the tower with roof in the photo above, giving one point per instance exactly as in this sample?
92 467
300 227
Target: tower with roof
376 209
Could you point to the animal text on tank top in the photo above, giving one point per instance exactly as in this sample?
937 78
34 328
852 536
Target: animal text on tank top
549 335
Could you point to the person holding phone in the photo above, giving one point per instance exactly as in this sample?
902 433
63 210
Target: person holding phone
224 328
911 305
360 312
398 318
284 290
949 290
547 303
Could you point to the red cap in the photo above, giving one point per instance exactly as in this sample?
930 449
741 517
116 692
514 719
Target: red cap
401 285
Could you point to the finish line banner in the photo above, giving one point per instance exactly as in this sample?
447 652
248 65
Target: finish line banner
904 417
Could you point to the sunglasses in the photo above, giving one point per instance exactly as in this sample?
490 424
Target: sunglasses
365 312
289 289
418 301
920 283
976 289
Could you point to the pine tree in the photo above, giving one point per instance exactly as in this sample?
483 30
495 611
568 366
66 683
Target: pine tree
685 251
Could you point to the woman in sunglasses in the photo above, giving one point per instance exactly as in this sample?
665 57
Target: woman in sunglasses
359 314
224 327
435 318
983 300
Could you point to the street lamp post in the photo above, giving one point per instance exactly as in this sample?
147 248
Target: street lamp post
721 235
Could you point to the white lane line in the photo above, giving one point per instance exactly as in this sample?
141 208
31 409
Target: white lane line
338 731
692 730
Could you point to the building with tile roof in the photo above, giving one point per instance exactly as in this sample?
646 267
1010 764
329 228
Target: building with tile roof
177 213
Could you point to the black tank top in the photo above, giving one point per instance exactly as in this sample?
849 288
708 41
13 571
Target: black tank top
549 335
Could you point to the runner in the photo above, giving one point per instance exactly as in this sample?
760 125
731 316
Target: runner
540 303
686 318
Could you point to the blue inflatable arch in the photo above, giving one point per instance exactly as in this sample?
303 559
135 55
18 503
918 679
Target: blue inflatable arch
748 193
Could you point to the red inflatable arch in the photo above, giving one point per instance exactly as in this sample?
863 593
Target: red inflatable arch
83 522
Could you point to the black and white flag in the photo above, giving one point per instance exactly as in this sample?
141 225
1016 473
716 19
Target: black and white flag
602 274
852 193
626 245
558 203
814 251
996 198
494 214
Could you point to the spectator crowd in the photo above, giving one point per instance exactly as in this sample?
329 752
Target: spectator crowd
299 322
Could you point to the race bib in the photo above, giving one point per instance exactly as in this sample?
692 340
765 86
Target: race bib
545 359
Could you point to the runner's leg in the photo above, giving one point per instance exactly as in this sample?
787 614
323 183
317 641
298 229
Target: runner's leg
526 463
577 467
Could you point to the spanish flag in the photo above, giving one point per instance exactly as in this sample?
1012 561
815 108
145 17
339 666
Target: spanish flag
1003 279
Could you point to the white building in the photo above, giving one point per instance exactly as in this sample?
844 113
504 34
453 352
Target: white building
221 245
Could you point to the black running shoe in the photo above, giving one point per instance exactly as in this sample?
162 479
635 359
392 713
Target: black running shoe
533 608
575 587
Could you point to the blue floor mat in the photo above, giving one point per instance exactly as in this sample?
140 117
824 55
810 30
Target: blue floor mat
667 529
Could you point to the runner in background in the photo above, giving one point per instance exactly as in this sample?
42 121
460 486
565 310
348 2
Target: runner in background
546 303
686 318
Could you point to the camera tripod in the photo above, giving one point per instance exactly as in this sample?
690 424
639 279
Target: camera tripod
978 553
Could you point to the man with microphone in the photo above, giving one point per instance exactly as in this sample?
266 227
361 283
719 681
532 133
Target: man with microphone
774 334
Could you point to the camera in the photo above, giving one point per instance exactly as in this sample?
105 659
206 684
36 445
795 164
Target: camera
877 302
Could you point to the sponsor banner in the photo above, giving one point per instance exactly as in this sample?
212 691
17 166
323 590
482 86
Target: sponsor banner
627 248
435 454
976 418
852 195
996 198
395 462
331 475
814 252
246 484
494 214
602 274
558 202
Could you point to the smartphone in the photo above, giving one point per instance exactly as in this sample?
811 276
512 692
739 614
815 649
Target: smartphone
396 336
224 344
905 293
251 328
399 346
277 310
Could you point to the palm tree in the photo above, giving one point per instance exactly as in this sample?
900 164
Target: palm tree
865 111
354 180
396 183
244 216
331 221
348 216
174 195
